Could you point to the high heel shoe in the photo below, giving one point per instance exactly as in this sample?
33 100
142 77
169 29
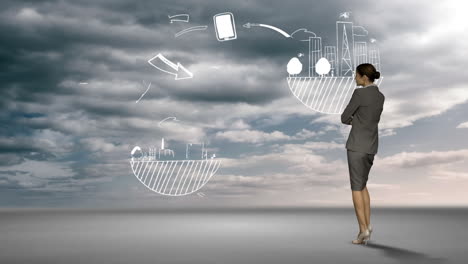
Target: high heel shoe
369 227
362 238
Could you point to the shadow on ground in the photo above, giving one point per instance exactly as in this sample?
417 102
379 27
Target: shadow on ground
404 255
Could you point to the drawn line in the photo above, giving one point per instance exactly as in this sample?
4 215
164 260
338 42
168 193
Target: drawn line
187 30
143 93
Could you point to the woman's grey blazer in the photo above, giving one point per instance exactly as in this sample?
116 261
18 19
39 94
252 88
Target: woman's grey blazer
364 110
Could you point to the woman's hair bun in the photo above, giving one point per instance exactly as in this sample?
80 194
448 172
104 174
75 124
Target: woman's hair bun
377 75
368 70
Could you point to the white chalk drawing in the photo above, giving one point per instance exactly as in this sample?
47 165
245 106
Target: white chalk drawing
172 177
344 36
360 52
294 66
327 94
191 29
167 118
179 18
374 57
360 31
149 86
225 26
330 81
282 32
302 34
200 194
345 15
315 53
83 83
161 63
161 172
322 67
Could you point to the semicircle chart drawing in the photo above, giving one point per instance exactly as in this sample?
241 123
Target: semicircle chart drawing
327 94
158 171
174 177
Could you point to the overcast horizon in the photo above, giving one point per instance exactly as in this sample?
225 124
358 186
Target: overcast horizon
72 72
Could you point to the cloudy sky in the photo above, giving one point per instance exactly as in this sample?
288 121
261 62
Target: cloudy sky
67 144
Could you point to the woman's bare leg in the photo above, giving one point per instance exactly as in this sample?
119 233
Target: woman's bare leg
359 208
365 194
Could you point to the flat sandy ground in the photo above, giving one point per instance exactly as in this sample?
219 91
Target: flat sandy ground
285 236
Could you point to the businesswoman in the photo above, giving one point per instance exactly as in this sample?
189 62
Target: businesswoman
363 114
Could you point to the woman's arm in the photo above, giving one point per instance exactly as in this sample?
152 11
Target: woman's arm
347 115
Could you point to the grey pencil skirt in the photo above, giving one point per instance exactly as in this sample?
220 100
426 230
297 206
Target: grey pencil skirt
359 165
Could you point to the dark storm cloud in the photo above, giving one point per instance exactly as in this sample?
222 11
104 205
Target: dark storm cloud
48 47
52 41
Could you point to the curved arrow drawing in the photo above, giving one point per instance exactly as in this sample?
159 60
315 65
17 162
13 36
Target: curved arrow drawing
178 70
282 32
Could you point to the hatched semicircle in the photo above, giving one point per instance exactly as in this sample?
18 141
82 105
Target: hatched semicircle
328 95
174 177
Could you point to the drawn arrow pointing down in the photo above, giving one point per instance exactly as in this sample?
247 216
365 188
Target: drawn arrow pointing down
178 70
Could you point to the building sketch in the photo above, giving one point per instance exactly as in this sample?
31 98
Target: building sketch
345 38
315 53
330 55
374 56
360 53
329 93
